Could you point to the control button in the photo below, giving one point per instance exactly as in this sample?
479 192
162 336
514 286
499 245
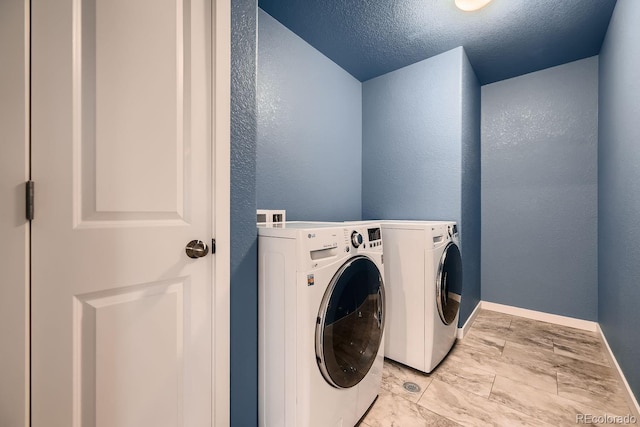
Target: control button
356 239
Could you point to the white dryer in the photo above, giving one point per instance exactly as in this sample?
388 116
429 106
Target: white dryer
423 273
321 323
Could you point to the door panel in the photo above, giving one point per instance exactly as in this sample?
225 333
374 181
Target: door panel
122 154
132 94
137 332
130 98
139 99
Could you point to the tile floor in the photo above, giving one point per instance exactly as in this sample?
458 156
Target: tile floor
507 371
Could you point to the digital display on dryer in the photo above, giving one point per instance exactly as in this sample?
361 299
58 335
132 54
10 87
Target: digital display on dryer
374 234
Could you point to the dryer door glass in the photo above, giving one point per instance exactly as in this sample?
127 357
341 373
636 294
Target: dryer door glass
449 277
350 323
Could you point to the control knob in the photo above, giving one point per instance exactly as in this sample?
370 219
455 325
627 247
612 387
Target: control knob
356 239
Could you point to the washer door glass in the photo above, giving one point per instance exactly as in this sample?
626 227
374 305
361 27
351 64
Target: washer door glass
350 323
449 277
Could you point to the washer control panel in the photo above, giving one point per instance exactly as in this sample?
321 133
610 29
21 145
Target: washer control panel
363 238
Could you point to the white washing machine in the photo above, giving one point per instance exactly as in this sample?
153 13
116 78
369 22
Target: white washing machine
321 323
423 273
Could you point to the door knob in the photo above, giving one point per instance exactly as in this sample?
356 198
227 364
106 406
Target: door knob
196 249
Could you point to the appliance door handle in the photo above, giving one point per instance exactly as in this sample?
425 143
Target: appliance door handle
380 310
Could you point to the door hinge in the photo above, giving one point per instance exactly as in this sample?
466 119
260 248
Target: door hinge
30 195
213 246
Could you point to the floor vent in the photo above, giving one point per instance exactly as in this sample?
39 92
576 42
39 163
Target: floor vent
411 387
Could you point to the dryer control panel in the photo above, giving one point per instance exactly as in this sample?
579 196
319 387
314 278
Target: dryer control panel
443 233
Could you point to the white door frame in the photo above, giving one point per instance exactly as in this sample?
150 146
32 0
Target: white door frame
221 210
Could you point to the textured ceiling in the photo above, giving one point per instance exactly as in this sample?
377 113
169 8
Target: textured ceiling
505 39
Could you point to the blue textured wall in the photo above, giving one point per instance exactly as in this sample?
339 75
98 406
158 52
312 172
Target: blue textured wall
619 197
414 122
411 150
471 198
244 255
309 129
539 190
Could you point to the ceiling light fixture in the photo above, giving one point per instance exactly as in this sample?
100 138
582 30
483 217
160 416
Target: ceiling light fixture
471 5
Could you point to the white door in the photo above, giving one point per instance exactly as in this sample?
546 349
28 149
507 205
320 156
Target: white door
122 160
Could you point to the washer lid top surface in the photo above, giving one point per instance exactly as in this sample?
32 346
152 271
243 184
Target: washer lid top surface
295 229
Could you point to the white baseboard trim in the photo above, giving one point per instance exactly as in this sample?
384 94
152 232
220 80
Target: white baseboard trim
465 328
571 322
631 399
